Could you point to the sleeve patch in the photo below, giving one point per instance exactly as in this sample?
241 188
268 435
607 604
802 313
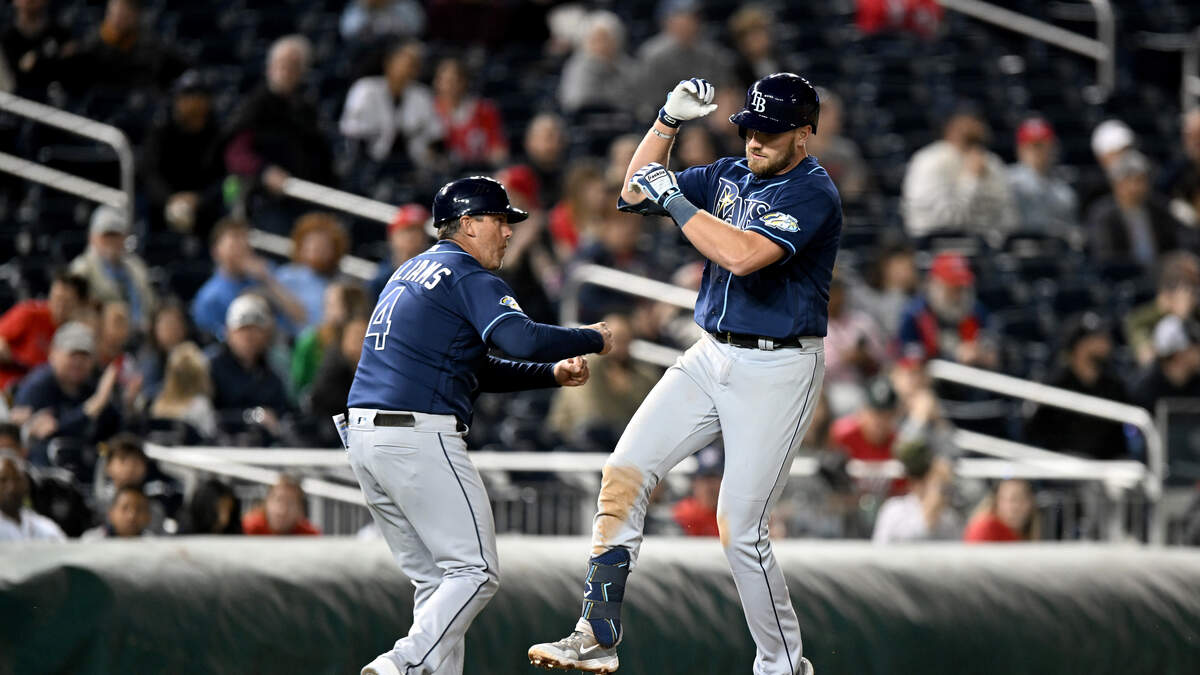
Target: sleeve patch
511 302
781 221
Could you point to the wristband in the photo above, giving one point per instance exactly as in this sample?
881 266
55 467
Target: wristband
661 135
680 208
667 119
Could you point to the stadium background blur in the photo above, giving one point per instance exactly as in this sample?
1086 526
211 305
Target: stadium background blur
1046 231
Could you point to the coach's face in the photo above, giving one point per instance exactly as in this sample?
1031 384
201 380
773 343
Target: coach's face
772 154
488 235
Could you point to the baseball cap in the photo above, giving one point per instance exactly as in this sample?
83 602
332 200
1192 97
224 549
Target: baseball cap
1111 136
247 310
191 82
408 215
522 181
106 219
1129 163
710 461
1034 130
668 8
1082 326
74 336
880 394
952 269
1173 335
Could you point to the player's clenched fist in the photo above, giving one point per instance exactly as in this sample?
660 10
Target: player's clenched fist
689 100
602 329
571 372
654 181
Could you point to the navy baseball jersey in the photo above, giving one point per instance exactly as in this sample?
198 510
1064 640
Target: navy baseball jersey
427 337
801 212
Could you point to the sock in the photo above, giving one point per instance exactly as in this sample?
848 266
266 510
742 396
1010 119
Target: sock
603 591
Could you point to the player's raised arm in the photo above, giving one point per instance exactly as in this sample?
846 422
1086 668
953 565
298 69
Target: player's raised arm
689 100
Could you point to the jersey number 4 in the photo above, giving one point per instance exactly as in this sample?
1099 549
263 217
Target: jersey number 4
381 318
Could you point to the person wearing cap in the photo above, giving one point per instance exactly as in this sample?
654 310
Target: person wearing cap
1086 356
947 321
1045 202
242 379
957 184
18 522
113 271
679 52
28 326
1110 138
406 238
180 164
869 433
925 513
1175 372
1132 222
696 514
62 398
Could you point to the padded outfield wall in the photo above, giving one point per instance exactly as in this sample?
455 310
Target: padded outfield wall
326 606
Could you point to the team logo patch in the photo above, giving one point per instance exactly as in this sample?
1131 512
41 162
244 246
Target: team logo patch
781 221
511 302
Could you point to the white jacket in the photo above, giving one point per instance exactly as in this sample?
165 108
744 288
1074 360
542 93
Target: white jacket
372 115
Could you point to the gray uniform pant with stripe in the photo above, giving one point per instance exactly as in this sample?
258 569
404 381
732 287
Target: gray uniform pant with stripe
431 507
761 402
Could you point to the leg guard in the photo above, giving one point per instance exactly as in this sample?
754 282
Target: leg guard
603 591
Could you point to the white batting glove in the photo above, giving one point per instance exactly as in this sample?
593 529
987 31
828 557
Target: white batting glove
689 100
654 181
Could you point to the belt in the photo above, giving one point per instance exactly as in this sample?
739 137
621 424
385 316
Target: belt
756 341
404 420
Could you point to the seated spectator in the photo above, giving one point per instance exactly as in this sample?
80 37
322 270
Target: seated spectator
1132 222
1007 514
331 386
62 398
891 286
696 147
756 55
319 242
34 45
242 379
1110 139
531 268
585 204
696 514
367 20
870 432
169 328
597 415
947 322
114 333
1085 368
239 270
1178 286
28 326
406 238
342 301
180 165
599 73
128 517
838 154
393 113
957 184
474 129
18 522
1187 168
1176 370
545 153
620 154
274 134
1045 202
853 351
213 509
123 53
125 464
616 246
112 271
677 53
187 390
924 513
283 513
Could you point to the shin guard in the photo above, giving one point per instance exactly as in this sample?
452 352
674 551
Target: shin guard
603 591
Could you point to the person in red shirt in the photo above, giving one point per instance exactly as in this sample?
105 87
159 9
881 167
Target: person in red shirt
282 514
697 513
27 327
869 433
474 130
1005 515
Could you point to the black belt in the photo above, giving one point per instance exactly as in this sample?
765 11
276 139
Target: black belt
755 341
404 420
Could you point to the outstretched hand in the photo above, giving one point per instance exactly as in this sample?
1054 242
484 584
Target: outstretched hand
571 372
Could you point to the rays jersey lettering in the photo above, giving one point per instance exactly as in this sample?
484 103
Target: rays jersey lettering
422 271
799 211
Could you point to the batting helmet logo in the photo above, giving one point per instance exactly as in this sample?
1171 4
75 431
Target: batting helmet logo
758 102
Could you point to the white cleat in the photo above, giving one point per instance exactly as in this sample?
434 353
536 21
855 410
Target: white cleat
577 651
380 666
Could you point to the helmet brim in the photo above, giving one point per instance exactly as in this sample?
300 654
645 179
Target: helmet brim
514 214
748 119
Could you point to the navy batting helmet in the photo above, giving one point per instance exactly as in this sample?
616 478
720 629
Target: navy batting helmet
474 196
777 103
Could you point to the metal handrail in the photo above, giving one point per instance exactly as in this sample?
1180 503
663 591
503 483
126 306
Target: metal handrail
1189 45
81 126
1102 49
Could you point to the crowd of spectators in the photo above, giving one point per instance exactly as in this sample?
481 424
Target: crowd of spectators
170 326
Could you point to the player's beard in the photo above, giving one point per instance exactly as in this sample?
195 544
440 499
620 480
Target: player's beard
764 168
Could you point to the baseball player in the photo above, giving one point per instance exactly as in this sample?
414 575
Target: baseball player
769 225
424 359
